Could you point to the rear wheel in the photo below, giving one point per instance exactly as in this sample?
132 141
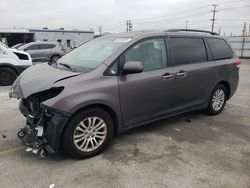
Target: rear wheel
217 100
88 133
7 76
54 58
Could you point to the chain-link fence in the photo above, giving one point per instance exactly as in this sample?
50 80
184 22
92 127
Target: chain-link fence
241 45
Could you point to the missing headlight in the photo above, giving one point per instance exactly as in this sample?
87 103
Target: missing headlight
33 102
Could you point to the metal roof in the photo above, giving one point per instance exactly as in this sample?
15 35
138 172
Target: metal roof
42 30
15 31
59 31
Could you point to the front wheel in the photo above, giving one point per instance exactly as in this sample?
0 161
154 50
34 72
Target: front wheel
7 76
88 133
217 100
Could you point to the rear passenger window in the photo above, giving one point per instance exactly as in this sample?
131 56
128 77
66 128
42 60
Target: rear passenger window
151 53
188 50
47 46
219 48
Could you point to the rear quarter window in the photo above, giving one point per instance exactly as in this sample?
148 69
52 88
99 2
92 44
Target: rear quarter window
187 50
219 48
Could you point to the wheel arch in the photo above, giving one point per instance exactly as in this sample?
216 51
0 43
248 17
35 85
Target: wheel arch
105 107
227 86
7 65
53 55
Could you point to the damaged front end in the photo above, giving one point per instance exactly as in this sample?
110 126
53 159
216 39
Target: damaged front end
44 124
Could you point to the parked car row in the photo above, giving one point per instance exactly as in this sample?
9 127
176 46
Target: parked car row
20 56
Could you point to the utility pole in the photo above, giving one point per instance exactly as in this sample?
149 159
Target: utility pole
213 19
249 30
219 30
186 24
100 30
243 39
129 25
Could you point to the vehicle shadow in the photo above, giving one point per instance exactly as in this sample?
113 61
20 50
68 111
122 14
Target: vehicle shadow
166 123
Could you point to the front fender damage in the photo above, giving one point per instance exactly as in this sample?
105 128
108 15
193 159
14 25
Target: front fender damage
44 126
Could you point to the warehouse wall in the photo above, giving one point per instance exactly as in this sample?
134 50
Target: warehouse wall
241 45
67 39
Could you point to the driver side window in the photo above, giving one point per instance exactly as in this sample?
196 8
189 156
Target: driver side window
151 53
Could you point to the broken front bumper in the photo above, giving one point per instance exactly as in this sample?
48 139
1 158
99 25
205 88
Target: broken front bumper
43 132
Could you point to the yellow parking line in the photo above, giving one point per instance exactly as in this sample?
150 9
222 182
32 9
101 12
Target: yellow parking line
11 150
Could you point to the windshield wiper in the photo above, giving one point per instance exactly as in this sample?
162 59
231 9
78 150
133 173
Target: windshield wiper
66 65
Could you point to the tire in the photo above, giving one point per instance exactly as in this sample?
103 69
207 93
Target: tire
78 125
219 94
54 58
7 76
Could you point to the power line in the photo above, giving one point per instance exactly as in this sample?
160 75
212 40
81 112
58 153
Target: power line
229 2
229 8
176 18
232 20
171 14
177 13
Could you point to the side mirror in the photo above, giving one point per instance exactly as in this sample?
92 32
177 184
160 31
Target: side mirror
132 67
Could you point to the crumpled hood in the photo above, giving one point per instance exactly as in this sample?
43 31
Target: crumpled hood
37 78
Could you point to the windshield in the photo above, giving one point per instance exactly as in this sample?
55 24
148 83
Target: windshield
92 54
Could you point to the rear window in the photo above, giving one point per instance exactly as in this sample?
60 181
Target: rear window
47 46
219 48
188 50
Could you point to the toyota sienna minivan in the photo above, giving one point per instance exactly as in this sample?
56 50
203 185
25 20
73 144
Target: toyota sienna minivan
116 82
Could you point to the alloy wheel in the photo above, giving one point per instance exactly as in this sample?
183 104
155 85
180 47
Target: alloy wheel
218 99
89 134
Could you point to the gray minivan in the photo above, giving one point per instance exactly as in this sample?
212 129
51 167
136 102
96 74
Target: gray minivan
116 82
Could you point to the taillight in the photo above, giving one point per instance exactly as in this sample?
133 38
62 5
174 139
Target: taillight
237 63
63 49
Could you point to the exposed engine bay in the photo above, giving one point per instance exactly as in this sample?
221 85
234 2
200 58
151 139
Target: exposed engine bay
35 134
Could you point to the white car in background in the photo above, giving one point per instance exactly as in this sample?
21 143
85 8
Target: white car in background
12 63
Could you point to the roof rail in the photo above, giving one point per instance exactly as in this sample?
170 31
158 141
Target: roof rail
192 30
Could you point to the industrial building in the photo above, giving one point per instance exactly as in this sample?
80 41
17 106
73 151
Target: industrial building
67 38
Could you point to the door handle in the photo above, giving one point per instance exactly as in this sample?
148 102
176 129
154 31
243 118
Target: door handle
167 76
182 74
